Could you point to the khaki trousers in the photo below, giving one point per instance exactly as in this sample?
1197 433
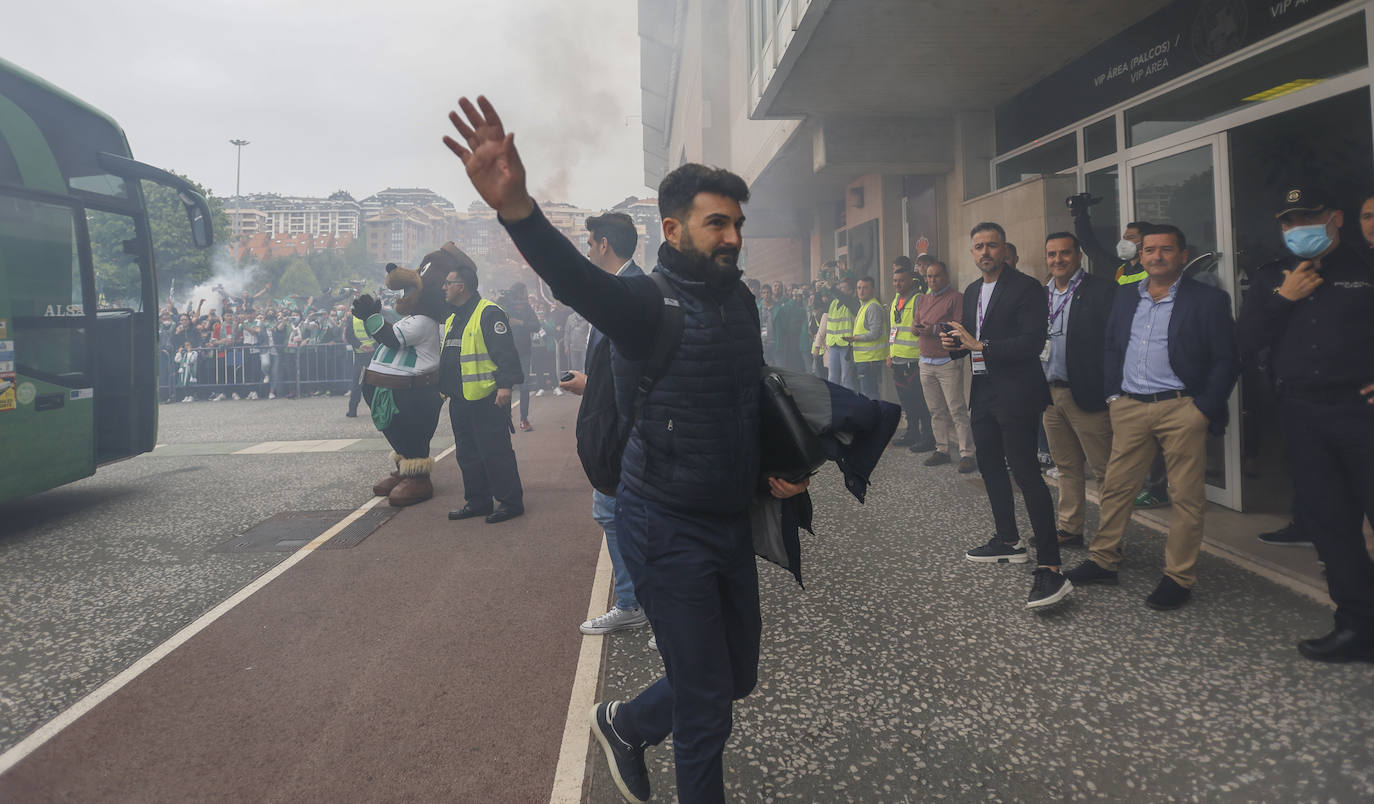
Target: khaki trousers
1073 434
1139 429
946 391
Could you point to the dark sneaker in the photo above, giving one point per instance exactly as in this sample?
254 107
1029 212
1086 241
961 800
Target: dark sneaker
1287 536
999 551
966 465
1047 588
924 445
1146 499
1089 572
936 459
626 761
1067 539
1168 595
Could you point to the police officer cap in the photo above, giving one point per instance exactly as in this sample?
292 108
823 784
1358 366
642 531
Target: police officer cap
1302 198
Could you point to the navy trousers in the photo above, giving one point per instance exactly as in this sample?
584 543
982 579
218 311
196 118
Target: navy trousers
1331 455
696 580
481 435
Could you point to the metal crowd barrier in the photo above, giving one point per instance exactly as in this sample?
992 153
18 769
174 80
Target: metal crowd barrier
283 370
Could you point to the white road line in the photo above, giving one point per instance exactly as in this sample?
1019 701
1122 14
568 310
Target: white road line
55 726
571 773
279 447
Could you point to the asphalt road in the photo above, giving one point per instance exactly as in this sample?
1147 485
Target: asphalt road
97 573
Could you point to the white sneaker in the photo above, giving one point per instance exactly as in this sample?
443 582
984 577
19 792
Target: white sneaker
217 398
272 395
653 643
189 399
617 619
540 392
252 394
558 392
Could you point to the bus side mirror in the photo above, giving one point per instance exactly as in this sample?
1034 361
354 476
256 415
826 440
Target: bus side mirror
198 215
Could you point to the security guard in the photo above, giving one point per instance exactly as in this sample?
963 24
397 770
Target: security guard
838 333
869 340
477 369
904 355
1315 312
362 344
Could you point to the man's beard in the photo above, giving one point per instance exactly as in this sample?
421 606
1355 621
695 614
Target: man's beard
723 258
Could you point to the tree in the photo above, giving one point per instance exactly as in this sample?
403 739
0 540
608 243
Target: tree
297 279
177 258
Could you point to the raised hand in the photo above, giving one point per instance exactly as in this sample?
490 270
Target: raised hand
489 155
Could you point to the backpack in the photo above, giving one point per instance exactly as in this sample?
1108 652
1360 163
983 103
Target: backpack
600 437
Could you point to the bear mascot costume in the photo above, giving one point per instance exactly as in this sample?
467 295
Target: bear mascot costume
401 384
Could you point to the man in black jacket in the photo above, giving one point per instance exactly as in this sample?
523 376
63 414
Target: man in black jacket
1170 366
478 367
1076 422
692 461
1315 312
1008 311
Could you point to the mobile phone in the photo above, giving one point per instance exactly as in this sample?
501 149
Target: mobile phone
567 377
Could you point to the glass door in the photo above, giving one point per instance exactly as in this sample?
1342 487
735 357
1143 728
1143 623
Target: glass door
1180 186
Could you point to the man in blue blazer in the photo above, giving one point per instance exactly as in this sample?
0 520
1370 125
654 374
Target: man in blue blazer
1171 362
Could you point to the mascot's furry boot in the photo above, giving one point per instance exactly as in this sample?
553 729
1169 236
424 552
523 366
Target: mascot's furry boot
383 487
414 486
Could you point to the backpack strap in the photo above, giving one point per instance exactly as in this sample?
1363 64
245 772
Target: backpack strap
665 344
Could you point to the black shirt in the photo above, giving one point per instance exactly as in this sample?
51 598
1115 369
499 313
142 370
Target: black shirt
500 345
1323 343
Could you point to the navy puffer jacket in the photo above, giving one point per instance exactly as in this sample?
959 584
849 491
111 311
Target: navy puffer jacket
696 447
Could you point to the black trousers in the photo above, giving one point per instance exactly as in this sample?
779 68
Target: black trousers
1331 452
481 436
696 578
413 425
907 378
1008 441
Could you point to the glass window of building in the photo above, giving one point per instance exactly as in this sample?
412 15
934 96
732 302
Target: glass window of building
1099 139
1050 158
1337 49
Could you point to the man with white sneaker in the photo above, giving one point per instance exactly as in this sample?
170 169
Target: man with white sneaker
611 241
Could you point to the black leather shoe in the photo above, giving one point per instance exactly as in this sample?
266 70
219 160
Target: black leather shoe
1067 539
468 512
505 512
1168 595
1341 645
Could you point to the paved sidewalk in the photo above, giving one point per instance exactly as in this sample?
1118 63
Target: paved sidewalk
904 672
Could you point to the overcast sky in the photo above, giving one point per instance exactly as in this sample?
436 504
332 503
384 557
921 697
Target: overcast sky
350 94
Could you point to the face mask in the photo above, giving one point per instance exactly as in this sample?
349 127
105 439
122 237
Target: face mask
1126 250
1307 241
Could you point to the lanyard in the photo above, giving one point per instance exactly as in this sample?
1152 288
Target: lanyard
979 333
1068 295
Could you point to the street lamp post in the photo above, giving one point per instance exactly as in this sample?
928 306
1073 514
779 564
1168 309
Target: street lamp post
238 174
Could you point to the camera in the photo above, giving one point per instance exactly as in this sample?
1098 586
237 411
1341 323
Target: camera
1078 204
945 328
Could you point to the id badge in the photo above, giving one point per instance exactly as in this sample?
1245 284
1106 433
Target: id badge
892 336
1045 353
979 367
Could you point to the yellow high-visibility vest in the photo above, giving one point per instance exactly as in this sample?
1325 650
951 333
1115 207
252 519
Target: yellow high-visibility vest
841 323
479 371
904 344
360 332
1123 278
869 351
